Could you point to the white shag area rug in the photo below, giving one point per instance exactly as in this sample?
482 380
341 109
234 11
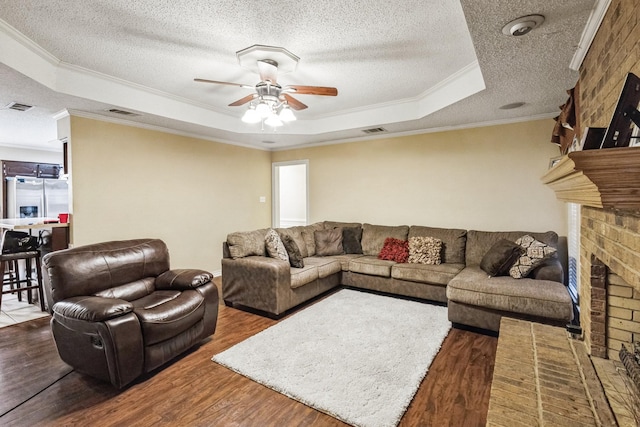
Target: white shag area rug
356 356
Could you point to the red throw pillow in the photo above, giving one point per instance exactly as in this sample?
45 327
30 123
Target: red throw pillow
395 250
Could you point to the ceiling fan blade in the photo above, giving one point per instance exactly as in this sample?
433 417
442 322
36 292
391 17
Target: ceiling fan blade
244 100
223 83
268 70
294 103
313 90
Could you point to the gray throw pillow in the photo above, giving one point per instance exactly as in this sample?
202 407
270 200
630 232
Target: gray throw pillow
351 237
500 257
295 257
328 242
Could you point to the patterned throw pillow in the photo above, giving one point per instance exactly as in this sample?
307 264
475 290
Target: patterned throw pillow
425 250
394 250
535 253
275 247
295 257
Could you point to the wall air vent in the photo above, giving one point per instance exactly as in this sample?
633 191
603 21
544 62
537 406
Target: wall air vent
18 106
374 130
122 112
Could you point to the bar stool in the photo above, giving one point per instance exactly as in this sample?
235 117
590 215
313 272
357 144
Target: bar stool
12 258
28 256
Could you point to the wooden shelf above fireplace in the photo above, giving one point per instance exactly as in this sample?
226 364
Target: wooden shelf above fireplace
606 178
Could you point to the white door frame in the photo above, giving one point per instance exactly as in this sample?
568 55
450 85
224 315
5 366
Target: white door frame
275 189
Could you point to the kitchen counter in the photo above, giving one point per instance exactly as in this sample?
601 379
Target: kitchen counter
30 223
59 231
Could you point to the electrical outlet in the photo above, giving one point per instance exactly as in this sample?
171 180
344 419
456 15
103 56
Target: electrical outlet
263 199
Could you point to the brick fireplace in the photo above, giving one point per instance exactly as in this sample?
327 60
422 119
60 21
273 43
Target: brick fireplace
610 280
609 238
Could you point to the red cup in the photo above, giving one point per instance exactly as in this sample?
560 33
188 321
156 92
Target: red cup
63 218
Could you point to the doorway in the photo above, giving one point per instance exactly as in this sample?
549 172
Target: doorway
290 182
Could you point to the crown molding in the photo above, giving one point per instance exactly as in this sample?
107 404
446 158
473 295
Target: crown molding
589 33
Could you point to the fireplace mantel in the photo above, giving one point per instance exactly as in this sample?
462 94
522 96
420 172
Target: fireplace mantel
606 178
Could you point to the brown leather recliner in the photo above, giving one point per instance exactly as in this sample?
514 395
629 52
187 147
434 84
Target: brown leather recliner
119 311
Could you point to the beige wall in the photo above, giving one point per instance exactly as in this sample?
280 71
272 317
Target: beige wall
484 178
130 183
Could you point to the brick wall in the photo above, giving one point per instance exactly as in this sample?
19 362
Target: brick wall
609 238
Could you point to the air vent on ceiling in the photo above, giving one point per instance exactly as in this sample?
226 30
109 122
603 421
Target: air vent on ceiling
374 130
18 106
122 112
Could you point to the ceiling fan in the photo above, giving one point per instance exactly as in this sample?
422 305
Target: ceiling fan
270 102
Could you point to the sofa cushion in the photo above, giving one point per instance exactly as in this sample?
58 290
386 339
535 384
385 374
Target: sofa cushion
479 242
337 224
247 243
425 250
293 251
373 237
394 250
303 276
344 259
371 265
453 241
439 274
328 242
308 237
274 245
326 266
543 298
535 254
502 255
351 237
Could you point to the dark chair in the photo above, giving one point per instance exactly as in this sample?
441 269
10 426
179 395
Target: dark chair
119 311
10 257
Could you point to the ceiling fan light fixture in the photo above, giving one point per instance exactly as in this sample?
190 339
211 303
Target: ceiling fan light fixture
286 115
263 109
251 116
273 120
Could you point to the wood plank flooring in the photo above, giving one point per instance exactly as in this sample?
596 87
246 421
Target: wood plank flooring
194 391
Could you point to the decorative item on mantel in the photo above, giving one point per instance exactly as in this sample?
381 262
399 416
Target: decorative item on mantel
631 362
563 131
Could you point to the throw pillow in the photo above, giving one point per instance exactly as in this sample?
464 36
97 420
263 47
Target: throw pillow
275 247
394 250
295 257
351 237
535 253
500 257
425 250
328 242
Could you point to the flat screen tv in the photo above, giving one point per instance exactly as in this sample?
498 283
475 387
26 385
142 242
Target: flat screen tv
624 129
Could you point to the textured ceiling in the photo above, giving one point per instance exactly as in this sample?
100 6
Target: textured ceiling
411 67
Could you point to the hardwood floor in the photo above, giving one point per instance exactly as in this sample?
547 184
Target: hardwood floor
194 391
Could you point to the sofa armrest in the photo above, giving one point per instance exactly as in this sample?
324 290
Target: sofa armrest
257 282
551 269
92 308
182 279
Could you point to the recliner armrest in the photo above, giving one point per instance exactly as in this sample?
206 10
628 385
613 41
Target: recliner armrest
181 279
92 308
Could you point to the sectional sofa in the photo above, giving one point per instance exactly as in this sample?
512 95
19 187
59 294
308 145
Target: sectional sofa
252 279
